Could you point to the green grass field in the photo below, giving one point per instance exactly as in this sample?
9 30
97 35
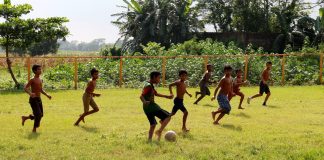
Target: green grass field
291 127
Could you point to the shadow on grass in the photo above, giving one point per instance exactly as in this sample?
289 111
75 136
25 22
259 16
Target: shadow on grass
242 114
33 135
232 127
89 129
272 106
208 105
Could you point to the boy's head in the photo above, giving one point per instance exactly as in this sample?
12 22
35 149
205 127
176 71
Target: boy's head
238 72
228 70
37 69
183 75
94 73
209 67
269 65
155 77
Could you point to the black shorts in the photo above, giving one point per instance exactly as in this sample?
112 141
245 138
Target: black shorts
264 88
161 114
178 104
37 107
204 89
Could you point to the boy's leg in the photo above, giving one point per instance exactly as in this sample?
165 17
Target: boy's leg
151 131
241 100
216 112
219 118
24 118
165 117
200 98
37 108
184 121
266 99
94 106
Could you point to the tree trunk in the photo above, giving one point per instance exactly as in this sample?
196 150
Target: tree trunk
9 67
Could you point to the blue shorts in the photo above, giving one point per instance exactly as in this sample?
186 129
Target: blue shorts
224 103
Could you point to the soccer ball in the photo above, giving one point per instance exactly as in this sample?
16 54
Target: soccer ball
170 136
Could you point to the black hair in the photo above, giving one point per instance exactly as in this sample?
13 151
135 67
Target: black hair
181 72
209 65
238 70
228 67
35 67
154 74
93 71
269 62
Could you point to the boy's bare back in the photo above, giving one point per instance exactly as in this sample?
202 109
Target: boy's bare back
226 85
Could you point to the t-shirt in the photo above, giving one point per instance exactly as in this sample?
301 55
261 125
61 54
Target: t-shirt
148 94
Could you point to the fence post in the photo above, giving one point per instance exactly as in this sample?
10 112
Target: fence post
28 68
163 70
321 69
246 67
205 63
120 71
283 70
75 73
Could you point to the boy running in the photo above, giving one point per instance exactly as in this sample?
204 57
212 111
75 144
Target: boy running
264 88
88 97
237 82
225 85
178 101
36 85
152 109
203 84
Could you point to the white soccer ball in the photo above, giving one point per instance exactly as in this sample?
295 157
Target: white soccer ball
170 136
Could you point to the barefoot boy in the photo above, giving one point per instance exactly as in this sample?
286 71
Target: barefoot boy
264 88
35 100
152 109
203 84
225 85
178 101
88 97
237 82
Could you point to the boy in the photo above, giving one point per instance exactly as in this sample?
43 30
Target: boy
36 85
237 82
178 101
88 97
226 88
264 88
203 84
151 109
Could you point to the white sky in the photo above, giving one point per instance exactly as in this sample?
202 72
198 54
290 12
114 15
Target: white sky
88 19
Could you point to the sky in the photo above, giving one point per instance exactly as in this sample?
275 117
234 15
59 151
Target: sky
88 19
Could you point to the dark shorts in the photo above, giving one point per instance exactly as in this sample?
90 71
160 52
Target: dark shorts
161 114
204 89
224 103
37 107
178 104
264 88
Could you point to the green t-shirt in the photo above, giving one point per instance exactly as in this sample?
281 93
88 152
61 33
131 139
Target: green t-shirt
148 94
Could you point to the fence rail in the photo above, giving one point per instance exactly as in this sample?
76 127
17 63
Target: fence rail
206 59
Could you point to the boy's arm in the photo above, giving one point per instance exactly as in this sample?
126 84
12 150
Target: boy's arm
188 93
47 95
27 90
171 85
262 77
144 101
217 88
164 96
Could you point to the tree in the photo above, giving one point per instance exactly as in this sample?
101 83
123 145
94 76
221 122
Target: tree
161 21
17 33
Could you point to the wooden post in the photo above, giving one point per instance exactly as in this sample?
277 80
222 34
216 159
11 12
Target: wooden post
205 63
246 67
283 70
28 68
163 70
75 73
120 72
321 69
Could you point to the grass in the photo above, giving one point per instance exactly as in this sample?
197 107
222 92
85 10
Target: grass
291 127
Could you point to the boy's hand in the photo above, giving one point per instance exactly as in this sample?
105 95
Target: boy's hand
146 103
49 96
170 96
32 95
189 95
213 98
98 95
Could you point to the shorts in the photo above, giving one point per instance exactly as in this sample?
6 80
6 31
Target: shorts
161 114
204 89
88 101
264 88
37 107
224 103
178 104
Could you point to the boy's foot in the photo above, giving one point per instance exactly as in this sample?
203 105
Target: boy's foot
240 107
216 123
196 95
23 119
264 104
34 130
213 115
249 100
158 134
195 103
82 118
185 130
